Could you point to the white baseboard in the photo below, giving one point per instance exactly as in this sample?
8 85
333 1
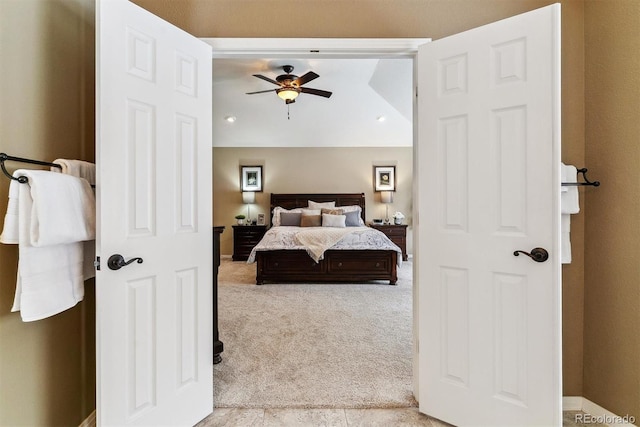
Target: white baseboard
90 421
596 412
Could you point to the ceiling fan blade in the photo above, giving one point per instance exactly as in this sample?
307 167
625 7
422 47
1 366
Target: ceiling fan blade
262 91
318 92
260 76
306 78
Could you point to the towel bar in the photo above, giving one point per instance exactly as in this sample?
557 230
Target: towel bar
582 171
22 179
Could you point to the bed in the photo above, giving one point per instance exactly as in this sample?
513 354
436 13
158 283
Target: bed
339 264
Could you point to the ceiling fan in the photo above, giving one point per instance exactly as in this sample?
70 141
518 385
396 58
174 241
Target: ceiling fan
291 85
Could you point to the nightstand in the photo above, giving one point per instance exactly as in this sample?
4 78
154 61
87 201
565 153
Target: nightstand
245 237
397 234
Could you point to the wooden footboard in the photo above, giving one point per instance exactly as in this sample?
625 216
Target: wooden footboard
337 266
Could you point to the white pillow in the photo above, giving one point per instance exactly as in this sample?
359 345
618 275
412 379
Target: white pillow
333 220
317 205
275 221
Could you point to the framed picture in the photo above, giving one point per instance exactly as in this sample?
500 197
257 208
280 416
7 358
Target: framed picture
251 178
261 219
385 178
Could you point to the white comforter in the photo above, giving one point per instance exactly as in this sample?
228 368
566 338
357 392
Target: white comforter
284 237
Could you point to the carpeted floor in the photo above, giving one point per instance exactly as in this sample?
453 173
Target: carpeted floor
313 346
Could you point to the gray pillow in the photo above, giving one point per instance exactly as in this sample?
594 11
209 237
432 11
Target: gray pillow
353 219
290 218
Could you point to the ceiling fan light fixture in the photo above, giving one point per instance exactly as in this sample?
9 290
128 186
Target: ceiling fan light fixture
288 93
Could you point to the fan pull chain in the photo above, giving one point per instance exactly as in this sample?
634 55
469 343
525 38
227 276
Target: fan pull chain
288 117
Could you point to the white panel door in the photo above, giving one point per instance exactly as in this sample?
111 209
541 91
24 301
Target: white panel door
488 174
153 154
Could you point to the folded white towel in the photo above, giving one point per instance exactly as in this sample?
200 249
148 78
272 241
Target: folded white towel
10 234
63 208
569 202
77 168
565 242
86 170
50 278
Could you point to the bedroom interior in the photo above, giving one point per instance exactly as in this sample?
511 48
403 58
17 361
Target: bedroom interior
316 148
600 105
327 145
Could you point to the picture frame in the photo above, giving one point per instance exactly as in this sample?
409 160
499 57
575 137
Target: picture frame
384 178
251 178
261 219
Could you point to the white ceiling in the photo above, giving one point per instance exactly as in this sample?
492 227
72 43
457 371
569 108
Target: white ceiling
363 90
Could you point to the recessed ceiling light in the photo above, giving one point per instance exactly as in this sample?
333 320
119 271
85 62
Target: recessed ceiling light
230 119
381 118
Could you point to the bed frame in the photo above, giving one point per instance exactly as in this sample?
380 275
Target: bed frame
337 266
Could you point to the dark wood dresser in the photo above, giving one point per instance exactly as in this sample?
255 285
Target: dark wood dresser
397 234
218 346
245 237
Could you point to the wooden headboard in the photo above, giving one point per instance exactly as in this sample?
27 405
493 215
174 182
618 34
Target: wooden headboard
301 200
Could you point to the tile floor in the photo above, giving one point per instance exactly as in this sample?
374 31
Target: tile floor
237 417
401 417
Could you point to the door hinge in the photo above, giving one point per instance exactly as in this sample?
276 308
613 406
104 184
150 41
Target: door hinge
96 263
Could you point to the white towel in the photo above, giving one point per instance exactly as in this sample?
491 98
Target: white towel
569 204
50 278
78 168
86 170
63 208
565 242
10 232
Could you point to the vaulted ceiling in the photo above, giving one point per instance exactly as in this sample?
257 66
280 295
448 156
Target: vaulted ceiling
371 104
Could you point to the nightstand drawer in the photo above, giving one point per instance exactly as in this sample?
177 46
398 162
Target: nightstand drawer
245 237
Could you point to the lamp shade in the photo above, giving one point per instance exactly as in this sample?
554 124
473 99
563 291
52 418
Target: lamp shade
248 197
386 196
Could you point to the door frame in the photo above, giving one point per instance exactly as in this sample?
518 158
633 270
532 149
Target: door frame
295 48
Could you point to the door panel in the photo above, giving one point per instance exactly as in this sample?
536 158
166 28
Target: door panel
153 150
488 127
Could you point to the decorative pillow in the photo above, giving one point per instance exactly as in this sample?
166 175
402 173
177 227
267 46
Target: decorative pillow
290 218
317 205
335 211
333 220
311 211
310 221
352 219
354 208
275 221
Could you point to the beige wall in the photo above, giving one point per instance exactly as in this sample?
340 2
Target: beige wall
612 256
46 51
307 170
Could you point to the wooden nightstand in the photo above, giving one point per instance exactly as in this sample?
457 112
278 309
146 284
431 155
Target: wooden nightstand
245 237
397 234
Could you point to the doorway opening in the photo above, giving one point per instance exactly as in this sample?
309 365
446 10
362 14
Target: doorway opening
236 54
